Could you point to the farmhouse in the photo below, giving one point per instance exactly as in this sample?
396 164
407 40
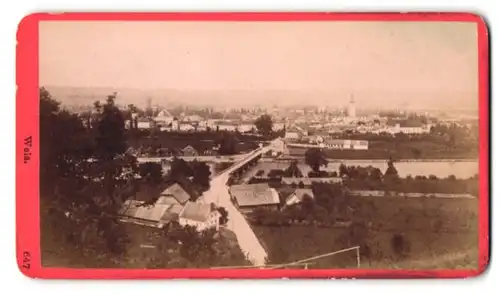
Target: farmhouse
174 194
248 197
201 216
156 215
163 117
298 196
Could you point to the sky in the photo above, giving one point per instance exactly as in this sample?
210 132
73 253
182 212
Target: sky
327 61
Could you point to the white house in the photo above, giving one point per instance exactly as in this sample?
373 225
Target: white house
278 126
278 146
175 124
345 144
164 117
143 123
186 127
201 216
245 127
289 135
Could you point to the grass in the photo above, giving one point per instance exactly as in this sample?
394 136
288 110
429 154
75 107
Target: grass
441 234
165 254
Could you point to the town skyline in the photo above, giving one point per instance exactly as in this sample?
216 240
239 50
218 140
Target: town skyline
432 64
81 96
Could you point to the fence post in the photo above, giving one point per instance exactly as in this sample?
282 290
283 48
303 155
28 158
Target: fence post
357 257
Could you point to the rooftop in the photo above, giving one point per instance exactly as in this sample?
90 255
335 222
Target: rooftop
176 191
196 211
254 194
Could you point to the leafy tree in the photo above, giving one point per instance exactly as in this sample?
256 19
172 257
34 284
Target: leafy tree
293 170
197 247
111 138
88 178
63 141
376 174
201 175
391 172
180 169
400 245
343 171
316 158
224 215
151 172
452 177
227 144
264 124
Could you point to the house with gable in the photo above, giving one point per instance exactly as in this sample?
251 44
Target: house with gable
298 196
154 215
248 197
174 194
200 215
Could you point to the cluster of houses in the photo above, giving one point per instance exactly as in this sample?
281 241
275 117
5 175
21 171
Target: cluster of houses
249 197
173 205
193 123
187 151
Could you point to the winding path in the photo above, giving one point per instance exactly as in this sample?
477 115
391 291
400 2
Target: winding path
219 194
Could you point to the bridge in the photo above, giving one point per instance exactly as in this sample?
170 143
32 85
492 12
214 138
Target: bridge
219 195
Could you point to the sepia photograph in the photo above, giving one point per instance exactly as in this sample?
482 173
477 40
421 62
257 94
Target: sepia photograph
259 145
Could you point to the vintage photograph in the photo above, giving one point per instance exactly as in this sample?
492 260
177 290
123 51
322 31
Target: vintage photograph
264 145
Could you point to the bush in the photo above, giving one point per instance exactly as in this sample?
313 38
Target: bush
224 215
400 245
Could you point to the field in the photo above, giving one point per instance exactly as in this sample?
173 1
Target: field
438 233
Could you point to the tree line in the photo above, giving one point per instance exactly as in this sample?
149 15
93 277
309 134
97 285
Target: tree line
85 177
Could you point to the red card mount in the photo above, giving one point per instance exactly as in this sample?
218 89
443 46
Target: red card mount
28 139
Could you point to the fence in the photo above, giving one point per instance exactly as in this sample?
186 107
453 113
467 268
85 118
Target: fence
304 262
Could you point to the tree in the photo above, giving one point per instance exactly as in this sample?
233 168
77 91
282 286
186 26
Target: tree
391 172
201 175
452 177
293 170
400 245
63 141
227 144
376 174
264 125
111 138
223 219
180 169
198 247
88 178
151 172
343 171
316 158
